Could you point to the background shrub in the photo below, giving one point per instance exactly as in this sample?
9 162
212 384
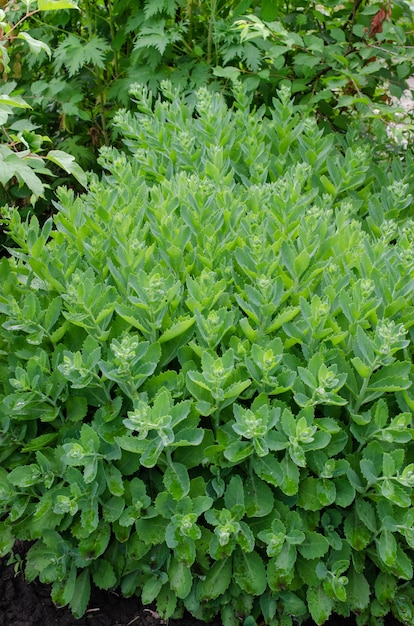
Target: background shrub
206 371
75 67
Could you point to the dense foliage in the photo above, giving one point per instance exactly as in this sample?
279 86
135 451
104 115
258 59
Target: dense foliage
75 67
206 371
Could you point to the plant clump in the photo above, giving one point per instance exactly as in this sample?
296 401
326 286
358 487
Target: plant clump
206 371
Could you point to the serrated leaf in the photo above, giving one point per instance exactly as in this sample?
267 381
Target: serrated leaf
152 7
259 499
393 377
387 547
268 468
151 589
74 53
314 546
358 591
320 604
249 572
176 480
103 574
180 578
216 581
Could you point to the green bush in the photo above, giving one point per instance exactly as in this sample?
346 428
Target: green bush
340 59
206 371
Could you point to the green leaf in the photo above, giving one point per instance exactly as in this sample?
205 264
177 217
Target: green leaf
258 497
81 595
166 602
393 377
387 547
314 546
104 575
75 53
151 589
268 468
234 496
177 329
14 101
67 162
280 569
308 495
56 5
320 604
249 572
6 539
35 45
176 480
358 591
180 578
216 581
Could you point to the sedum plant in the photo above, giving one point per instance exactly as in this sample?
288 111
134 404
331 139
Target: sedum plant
206 371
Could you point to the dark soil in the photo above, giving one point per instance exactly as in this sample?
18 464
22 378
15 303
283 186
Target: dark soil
23 604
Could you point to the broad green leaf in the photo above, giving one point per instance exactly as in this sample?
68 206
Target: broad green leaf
393 377
326 491
35 45
68 163
290 483
258 497
81 595
176 480
177 329
385 587
96 543
345 492
14 101
151 589
166 602
363 370
308 495
152 530
25 476
39 442
180 578
387 547
320 605
269 469
112 508
62 591
104 575
358 591
234 495
249 572
216 581
314 546
280 569
403 566
6 539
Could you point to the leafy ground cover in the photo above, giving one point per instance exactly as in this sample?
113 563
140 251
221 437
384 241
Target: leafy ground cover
24 604
206 359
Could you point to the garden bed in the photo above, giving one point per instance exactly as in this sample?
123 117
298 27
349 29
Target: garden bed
23 604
